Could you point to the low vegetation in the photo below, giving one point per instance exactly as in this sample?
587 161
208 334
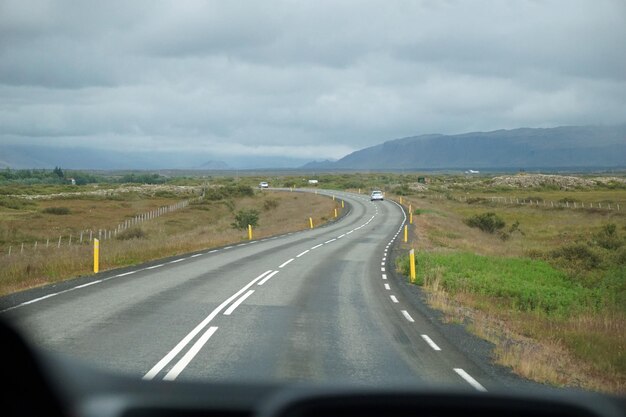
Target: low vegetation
546 285
37 256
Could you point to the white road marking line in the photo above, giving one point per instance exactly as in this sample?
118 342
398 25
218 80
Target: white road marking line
212 251
185 341
234 305
39 299
176 260
430 342
196 255
349 232
264 280
382 263
303 253
407 316
384 258
317 246
124 274
184 361
155 266
88 284
227 247
387 287
241 244
382 269
393 298
468 378
331 240
384 276
340 236
286 263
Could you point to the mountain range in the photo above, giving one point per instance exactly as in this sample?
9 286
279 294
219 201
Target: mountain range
566 147
559 147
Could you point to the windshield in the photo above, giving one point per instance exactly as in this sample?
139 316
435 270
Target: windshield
425 193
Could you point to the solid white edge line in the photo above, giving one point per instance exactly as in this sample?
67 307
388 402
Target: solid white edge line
264 280
286 263
124 274
189 337
191 353
234 305
39 299
430 342
407 316
393 298
88 284
303 253
468 378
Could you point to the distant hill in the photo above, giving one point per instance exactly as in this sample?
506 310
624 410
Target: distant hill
214 165
568 146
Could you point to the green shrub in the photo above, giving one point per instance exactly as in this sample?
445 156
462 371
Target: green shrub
228 191
132 233
608 238
60 211
270 205
244 217
576 255
487 222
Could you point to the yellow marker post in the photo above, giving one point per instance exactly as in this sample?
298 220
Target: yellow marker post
335 212
412 265
410 207
359 191
342 206
410 217
333 198
96 256
406 233
400 199
311 222
249 232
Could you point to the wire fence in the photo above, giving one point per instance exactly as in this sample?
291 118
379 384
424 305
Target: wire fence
86 236
563 204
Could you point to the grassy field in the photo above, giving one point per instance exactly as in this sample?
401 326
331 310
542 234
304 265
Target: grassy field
205 223
548 287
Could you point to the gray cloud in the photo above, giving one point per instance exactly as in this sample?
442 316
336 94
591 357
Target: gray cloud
308 79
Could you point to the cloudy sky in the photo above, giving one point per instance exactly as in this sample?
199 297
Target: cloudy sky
302 79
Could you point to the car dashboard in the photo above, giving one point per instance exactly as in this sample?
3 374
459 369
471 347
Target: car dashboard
45 384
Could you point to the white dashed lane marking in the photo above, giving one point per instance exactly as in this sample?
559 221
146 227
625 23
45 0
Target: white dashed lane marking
430 342
393 298
468 378
407 316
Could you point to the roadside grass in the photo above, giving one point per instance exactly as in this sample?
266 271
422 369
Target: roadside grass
200 226
554 318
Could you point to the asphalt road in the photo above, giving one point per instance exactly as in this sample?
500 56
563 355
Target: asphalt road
314 305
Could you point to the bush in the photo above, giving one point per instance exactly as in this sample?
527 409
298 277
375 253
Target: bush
57 210
402 190
270 204
132 233
608 237
577 255
487 222
228 191
244 217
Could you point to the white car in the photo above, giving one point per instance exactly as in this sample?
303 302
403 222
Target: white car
263 184
377 195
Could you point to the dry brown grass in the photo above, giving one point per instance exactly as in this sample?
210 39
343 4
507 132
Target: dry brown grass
195 228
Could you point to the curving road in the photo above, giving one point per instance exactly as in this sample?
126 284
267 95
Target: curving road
314 305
